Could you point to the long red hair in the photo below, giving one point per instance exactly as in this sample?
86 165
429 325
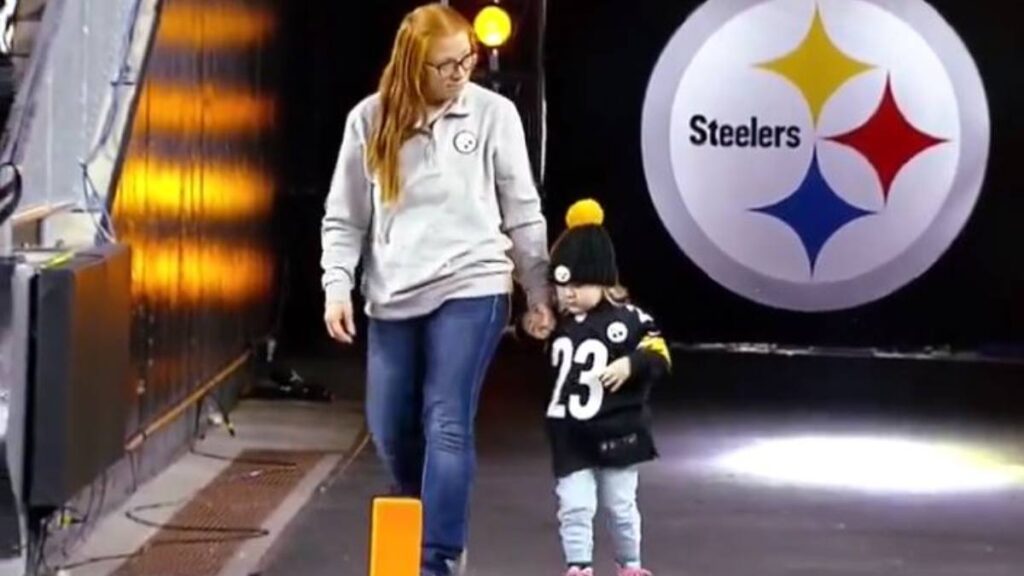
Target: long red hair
402 100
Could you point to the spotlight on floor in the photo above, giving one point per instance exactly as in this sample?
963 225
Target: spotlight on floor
873 464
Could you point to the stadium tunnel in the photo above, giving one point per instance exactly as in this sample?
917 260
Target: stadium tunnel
172 404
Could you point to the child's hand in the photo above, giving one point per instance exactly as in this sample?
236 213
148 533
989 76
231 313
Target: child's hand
539 321
616 374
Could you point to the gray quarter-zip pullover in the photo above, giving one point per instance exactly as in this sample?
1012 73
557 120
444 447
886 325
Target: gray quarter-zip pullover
467 216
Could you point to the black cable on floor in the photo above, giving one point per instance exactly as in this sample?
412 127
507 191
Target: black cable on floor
283 464
266 465
149 546
226 535
40 560
243 533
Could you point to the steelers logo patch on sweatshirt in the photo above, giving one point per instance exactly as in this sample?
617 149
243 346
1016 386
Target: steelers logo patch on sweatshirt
466 142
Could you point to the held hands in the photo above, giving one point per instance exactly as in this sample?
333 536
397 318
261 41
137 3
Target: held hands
539 321
616 374
340 321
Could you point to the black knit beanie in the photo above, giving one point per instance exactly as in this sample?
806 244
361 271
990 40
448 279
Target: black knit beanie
584 253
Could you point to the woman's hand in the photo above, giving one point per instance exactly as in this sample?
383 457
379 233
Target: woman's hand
539 322
340 321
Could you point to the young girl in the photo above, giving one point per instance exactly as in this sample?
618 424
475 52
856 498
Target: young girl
606 354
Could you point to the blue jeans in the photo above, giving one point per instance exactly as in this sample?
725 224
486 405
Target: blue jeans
578 495
424 377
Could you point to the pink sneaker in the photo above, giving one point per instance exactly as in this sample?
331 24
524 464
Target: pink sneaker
634 572
574 571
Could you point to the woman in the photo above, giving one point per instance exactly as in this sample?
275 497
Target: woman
434 196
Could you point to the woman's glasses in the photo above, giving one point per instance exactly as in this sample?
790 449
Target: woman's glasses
448 68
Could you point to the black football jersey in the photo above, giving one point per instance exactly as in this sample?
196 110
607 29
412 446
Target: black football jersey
588 425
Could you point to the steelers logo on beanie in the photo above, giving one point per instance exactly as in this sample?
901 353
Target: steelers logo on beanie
584 253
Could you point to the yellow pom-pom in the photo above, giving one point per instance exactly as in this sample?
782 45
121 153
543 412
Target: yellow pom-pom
584 213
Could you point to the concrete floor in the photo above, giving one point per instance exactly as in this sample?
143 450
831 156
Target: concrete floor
737 492
888 481
275 425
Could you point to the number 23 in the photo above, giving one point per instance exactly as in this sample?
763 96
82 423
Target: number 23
592 352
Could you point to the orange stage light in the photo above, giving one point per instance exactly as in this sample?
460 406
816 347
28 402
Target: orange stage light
212 110
206 25
193 271
206 191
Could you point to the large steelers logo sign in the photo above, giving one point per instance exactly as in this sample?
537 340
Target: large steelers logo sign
815 154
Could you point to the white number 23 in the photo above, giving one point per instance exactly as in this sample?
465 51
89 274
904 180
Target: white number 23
594 355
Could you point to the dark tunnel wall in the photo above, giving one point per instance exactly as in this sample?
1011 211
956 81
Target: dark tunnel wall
196 197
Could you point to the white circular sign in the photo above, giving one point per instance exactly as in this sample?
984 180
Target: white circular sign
815 154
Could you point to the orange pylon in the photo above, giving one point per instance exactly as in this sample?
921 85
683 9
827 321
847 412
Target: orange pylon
396 532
